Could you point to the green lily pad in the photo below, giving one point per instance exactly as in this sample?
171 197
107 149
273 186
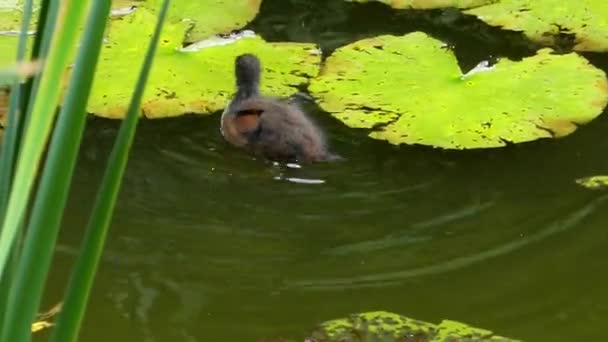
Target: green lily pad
8 3
10 15
390 327
209 17
204 18
428 4
594 182
542 20
188 82
10 24
8 46
411 90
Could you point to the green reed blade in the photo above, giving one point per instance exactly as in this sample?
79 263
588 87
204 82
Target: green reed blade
49 11
10 144
8 153
47 20
28 283
38 128
86 266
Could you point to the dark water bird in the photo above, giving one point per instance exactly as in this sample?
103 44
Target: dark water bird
270 127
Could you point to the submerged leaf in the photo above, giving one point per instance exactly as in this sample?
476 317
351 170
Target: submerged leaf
186 82
544 20
391 327
411 89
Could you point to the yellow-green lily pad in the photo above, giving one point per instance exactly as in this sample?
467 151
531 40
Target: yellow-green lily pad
188 82
209 17
410 89
8 50
390 327
10 15
203 18
428 4
543 20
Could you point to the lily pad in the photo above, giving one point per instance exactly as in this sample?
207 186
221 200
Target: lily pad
8 50
390 327
428 4
411 90
8 3
11 12
542 20
10 17
209 17
594 182
188 82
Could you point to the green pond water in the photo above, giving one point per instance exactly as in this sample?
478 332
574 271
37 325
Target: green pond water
209 244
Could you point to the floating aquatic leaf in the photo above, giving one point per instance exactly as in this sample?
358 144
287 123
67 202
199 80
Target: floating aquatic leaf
543 20
204 17
390 327
594 182
427 4
449 330
209 17
411 90
10 15
4 4
186 82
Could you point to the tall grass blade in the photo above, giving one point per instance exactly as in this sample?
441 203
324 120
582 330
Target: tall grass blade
10 144
47 20
26 290
80 284
8 153
39 126
49 11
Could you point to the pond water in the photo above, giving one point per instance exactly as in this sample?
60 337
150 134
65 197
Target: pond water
209 244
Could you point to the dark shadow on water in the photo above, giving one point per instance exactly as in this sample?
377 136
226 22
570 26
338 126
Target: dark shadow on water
335 23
